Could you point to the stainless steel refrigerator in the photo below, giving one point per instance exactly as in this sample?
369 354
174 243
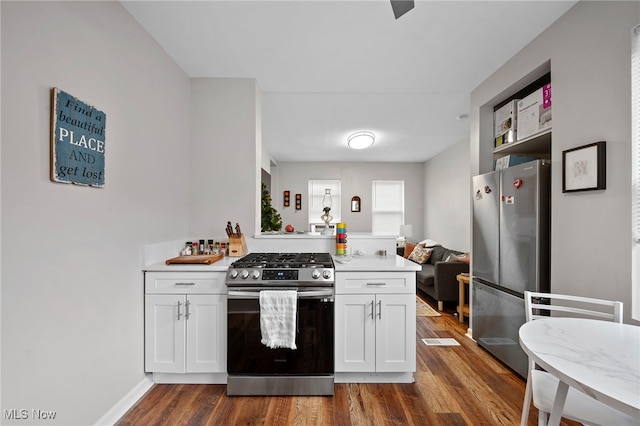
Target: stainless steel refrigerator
511 233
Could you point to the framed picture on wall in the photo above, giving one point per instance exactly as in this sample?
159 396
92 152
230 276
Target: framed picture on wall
584 168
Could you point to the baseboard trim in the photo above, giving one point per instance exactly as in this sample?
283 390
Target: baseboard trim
190 378
117 411
401 377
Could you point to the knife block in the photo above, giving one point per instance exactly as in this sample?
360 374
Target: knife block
237 246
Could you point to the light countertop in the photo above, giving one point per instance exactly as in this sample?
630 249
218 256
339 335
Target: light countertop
390 262
312 235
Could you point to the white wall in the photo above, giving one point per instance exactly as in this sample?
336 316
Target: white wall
355 180
225 155
590 53
72 294
447 200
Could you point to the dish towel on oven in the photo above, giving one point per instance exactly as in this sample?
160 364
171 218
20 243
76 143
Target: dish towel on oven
278 318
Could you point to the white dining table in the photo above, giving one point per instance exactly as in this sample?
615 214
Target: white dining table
599 358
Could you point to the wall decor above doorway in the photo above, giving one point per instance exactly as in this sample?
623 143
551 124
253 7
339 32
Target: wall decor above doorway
355 204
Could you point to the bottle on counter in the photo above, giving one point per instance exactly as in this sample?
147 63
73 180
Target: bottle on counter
187 249
201 247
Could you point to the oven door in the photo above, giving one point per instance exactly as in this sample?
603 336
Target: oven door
246 355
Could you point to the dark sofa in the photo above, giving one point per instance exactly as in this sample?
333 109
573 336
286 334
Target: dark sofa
438 275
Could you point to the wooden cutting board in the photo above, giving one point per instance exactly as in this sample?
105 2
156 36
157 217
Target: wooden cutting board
205 259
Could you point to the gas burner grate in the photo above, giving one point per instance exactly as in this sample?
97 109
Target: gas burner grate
284 261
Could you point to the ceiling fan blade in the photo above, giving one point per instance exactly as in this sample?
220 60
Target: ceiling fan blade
400 7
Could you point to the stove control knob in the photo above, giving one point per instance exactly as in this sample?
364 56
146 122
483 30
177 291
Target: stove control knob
244 274
233 274
326 274
315 274
255 274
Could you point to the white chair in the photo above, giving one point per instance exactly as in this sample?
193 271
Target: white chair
542 385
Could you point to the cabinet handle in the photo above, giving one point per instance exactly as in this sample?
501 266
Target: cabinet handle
376 284
179 314
379 309
185 283
372 314
187 313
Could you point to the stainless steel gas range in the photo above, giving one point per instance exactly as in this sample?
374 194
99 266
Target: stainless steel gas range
256 369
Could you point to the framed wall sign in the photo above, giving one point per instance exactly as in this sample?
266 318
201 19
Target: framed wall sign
286 197
77 141
585 168
298 201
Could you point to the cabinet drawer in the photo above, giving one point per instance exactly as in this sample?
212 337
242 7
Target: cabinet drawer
185 282
378 282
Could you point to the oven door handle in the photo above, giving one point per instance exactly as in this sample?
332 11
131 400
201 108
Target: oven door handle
237 294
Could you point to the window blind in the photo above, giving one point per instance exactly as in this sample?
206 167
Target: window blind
635 170
635 130
387 207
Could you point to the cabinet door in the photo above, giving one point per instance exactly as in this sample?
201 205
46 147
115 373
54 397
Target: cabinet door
165 333
206 333
355 332
395 333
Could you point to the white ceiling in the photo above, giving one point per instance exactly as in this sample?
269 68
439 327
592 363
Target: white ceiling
329 68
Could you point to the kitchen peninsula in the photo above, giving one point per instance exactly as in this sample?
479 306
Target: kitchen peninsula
186 311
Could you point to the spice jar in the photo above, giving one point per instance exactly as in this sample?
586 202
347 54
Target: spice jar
186 251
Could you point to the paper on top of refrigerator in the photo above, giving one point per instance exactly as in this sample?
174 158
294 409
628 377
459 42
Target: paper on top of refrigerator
511 160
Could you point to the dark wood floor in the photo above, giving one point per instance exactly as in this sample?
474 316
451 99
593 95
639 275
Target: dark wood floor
455 385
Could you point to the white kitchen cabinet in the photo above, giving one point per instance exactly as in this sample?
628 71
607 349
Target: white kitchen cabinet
165 335
185 327
375 336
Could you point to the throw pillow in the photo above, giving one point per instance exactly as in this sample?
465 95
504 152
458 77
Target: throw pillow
420 254
408 248
439 254
464 258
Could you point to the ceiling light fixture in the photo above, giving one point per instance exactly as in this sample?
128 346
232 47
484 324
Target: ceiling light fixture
361 140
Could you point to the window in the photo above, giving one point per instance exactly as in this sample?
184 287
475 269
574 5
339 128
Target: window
316 194
387 207
635 170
